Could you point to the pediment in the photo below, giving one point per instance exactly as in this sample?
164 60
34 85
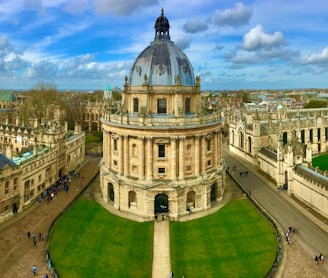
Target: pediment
162 141
159 186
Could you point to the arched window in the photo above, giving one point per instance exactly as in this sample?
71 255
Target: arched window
111 192
249 144
191 200
241 139
132 199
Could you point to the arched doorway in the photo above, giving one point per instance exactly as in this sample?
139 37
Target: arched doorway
213 192
161 203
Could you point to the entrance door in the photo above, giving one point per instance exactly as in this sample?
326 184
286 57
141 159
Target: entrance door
161 203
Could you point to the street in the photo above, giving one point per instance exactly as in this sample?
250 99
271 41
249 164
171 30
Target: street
281 207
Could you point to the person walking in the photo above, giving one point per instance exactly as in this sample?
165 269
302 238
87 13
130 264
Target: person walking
34 269
316 259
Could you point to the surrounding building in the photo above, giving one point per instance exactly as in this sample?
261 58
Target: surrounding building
33 159
162 149
282 144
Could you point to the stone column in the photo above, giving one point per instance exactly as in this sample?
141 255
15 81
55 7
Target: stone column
126 155
142 159
120 155
149 159
181 158
203 154
197 157
173 158
216 150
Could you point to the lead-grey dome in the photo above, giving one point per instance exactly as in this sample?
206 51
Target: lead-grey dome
162 61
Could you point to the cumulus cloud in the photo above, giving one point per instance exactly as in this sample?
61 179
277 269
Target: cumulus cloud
318 58
256 38
34 5
237 16
195 25
122 7
76 7
183 42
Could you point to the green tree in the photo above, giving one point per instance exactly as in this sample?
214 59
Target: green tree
315 104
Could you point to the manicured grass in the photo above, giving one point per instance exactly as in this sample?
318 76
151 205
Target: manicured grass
234 242
88 241
321 162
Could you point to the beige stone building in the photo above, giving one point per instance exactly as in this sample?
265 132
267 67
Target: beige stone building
162 148
33 159
281 144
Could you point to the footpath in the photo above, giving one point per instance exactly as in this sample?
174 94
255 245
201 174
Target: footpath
17 253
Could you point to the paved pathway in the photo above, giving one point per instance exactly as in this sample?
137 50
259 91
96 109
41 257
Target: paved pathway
311 228
161 250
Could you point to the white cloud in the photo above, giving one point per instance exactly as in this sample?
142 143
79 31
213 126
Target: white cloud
183 42
195 25
256 38
317 58
77 7
237 16
122 7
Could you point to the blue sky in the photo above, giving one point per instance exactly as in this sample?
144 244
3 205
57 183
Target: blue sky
90 44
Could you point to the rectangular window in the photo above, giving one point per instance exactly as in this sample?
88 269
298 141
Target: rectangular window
311 135
209 145
209 163
115 145
161 106
115 163
319 133
7 188
187 105
161 170
161 150
135 105
188 168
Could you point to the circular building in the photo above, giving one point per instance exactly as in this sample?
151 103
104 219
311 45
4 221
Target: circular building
162 147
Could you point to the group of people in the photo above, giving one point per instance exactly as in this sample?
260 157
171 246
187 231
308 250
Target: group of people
40 235
291 230
318 259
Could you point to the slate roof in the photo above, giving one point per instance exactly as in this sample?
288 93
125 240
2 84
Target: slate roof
5 161
269 153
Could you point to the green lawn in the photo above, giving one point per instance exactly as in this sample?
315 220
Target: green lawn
235 242
88 241
321 162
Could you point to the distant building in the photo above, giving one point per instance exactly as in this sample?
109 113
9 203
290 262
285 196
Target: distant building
282 144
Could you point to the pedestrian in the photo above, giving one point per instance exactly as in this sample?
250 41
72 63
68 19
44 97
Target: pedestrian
28 234
171 274
163 216
316 259
156 217
321 258
46 276
34 269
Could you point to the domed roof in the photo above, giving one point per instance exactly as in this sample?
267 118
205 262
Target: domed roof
162 61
